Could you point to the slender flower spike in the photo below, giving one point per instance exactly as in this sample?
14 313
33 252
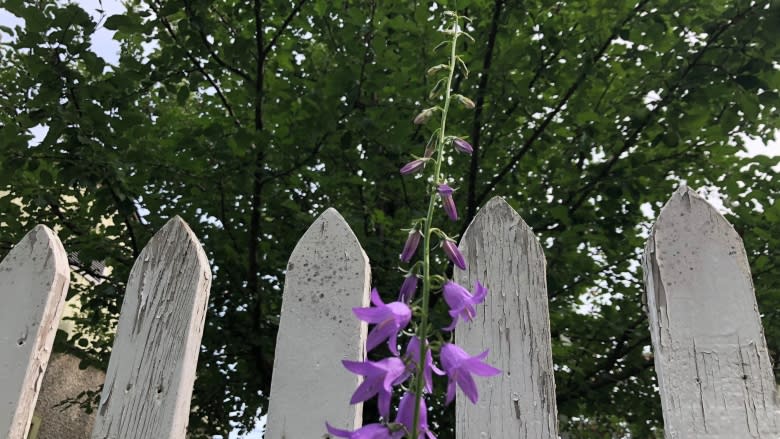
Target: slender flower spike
370 431
454 255
381 376
412 242
462 146
413 167
461 302
460 367
408 288
445 192
413 357
389 319
406 415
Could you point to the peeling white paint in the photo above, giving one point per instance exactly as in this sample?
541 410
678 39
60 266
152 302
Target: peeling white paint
711 358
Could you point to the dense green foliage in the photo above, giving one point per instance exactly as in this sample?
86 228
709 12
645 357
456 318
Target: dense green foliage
250 118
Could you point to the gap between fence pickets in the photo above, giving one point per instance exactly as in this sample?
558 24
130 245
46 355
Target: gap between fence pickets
152 367
34 280
327 275
711 358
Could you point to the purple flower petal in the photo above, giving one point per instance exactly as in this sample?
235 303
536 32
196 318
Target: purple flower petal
380 377
452 325
445 192
480 292
453 253
408 288
468 386
370 315
413 358
389 319
410 247
460 367
450 392
482 369
370 431
381 332
405 415
461 302
359 367
376 300
365 391
462 146
413 166
337 432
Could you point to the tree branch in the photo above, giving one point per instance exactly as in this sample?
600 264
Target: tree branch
298 164
210 49
543 126
476 129
283 27
125 219
634 137
197 64
257 180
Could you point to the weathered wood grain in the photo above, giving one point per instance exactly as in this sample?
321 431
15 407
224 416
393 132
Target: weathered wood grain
34 279
327 275
711 358
505 256
152 368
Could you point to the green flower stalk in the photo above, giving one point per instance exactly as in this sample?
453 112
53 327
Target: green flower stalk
390 319
446 197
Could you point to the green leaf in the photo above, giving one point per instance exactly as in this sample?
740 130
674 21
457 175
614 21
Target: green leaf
120 22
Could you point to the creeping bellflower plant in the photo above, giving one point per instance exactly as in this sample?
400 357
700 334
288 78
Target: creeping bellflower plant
410 376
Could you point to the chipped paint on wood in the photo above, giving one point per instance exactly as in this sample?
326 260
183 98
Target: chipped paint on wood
505 256
152 368
711 358
34 279
327 275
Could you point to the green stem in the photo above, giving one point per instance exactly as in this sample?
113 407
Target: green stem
422 331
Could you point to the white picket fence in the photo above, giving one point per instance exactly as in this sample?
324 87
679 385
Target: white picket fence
150 375
714 372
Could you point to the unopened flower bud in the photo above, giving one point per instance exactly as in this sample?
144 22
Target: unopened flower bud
454 254
430 148
462 146
468 103
408 288
412 242
423 116
413 166
445 192
437 68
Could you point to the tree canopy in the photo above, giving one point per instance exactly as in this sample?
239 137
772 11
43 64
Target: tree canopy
250 118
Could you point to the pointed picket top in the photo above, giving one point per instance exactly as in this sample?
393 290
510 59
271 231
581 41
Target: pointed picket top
152 368
34 279
503 254
711 358
327 275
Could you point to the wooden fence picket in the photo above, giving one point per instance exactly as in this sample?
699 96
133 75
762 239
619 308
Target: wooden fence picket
34 279
505 256
328 274
711 358
152 368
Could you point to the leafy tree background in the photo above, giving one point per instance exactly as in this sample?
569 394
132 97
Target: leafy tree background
250 118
